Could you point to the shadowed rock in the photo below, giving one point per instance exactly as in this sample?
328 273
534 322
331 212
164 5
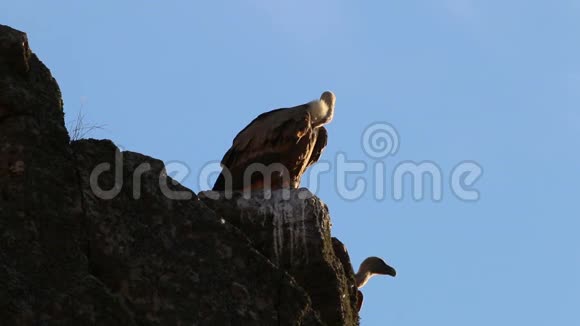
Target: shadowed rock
174 261
90 235
70 257
292 229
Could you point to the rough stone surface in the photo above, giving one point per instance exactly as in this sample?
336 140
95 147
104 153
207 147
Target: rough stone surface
292 229
90 235
173 260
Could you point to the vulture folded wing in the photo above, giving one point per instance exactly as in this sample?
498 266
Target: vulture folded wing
245 134
264 141
321 142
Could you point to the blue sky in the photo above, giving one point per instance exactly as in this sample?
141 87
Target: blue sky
495 82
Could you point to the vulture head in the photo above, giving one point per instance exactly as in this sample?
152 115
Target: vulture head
370 267
322 110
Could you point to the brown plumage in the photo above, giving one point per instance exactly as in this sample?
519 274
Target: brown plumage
278 145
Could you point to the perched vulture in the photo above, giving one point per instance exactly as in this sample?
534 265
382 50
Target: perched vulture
277 147
370 267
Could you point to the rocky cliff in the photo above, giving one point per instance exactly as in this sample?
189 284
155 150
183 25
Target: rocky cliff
129 246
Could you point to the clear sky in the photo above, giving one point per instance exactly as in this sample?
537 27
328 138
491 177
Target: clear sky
494 82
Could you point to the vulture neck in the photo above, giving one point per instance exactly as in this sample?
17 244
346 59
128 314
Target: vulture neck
362 277
320 113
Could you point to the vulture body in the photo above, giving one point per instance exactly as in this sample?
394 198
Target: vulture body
277 147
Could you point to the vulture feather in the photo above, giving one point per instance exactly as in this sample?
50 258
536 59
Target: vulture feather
277 147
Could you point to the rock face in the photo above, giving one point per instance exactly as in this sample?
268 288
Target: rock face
90 235
292 229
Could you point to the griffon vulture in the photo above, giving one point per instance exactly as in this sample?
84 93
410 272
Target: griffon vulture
277 147
368 268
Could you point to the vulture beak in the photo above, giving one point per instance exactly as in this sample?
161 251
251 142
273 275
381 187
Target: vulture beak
388 270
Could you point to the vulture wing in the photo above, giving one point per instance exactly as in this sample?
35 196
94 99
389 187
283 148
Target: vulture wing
321 141
270 138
